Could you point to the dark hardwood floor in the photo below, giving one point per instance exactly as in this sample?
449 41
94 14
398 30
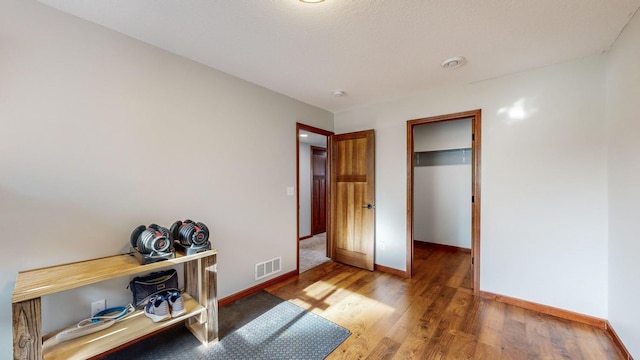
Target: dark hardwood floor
434 315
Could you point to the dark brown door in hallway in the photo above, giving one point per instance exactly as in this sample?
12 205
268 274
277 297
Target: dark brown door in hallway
318 190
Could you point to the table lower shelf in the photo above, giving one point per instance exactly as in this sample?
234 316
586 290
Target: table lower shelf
134 326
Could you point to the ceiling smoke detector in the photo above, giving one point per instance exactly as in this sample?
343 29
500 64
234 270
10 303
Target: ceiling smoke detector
454 62
338 93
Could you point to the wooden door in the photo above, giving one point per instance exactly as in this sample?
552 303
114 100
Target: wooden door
352 218
318 190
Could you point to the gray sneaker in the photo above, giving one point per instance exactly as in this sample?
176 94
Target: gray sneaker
157 308
176 304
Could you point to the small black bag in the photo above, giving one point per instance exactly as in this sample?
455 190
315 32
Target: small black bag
143 287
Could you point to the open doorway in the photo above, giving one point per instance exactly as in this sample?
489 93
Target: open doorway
430 162
312 196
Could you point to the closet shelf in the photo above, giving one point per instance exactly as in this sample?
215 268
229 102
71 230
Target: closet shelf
441 150
457 156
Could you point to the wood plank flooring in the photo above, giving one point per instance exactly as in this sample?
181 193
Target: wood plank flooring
434 315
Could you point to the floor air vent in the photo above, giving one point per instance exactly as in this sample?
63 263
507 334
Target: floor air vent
266 268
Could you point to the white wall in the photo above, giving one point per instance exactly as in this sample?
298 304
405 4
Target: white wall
305 189
623 87
442 193
544 186
442 204
442 135
101 133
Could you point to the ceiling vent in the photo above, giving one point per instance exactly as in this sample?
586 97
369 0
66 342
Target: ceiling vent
454 62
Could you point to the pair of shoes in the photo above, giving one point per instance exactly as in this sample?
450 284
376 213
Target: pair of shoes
157 308
164 306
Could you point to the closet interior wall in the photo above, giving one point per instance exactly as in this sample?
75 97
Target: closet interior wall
442 183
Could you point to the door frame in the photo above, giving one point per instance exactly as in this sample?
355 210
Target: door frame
476 121
327 134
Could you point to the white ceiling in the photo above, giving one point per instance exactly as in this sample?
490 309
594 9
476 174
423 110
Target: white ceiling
374 50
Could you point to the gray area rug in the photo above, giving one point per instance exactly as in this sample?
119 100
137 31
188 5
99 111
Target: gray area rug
313 252
260 326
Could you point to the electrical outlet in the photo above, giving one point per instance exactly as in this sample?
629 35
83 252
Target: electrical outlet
98 306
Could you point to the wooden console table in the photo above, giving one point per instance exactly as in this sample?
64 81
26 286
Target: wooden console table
200 300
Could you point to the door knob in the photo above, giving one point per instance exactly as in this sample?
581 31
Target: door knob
368 206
